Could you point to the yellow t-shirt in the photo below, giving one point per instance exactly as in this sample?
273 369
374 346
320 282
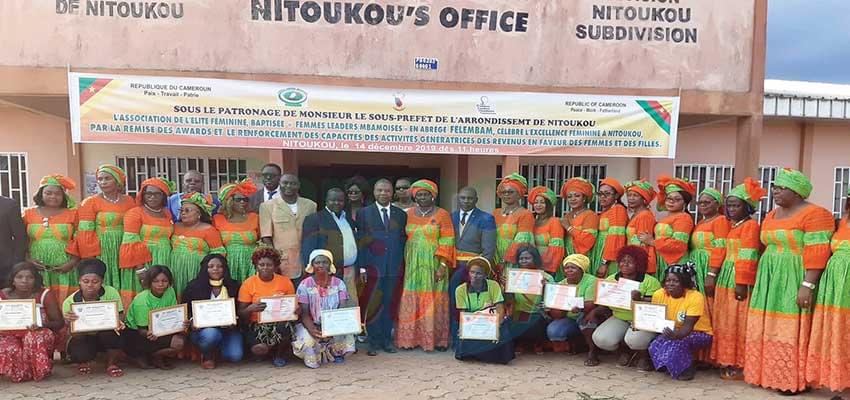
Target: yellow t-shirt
692 304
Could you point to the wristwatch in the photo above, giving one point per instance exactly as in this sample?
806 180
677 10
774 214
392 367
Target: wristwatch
809 285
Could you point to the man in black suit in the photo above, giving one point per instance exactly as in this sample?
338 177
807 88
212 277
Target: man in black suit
13 236
270 174
381 235
331 229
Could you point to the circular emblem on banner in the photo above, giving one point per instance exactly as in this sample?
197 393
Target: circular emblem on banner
292 97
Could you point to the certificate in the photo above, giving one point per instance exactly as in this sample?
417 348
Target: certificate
278 309
17 314
167 321
562 297
212 313
342 321
526 281
616 294
651 317
479 326
95 316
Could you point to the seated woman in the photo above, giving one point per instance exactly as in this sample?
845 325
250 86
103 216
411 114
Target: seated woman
577 323
214 283
27 355
318 292
265 338
83 347
615 332
528 321
483 295
674 348
146 348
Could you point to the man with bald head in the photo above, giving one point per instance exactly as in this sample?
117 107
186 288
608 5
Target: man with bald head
193 182
281 223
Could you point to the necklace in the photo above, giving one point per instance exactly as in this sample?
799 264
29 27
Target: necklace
424 213
115 201
506 212
155 211
705 220
736 224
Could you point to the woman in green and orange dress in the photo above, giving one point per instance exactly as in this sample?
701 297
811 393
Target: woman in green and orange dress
708 241
797 235
194 237
147 236
638 196
581 223
673 232
50 226
101 225
734 280
829 346
514 223
611 236
423 317
548 232
239 227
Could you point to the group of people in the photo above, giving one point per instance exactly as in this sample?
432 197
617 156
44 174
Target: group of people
766 303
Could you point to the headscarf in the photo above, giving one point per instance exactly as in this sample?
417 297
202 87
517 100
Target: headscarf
579 260
61 181
320 252
91 266
547 194
795 181
750 191
198 200
245 187
168 187
643 188
117 173
618 187
480 261
515 181
714 194
687 270
580 185
667 185
424 184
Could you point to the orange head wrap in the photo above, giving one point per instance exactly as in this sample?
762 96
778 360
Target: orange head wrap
579 185
643 188
245 187
516 181
547 194
424 184
667 185
615 184
168 187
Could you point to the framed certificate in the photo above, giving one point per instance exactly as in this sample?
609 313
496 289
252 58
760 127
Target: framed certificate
479 326
17 314
651 317
342 321
95 316
616 294
278 309
167 321
525 281
212 313
562 297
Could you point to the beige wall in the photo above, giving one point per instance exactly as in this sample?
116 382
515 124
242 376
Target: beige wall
830 149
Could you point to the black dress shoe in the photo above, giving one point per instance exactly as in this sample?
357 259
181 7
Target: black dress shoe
391 349
372 352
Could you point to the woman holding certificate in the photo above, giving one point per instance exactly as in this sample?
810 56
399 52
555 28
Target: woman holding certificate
239 228
578 322
673 232
514 223
142 344
528 319
673 349
84 345
708 242
214 283
26 352
612 228
483 295
639 195
267 300
319 292
581 223
548 232
194 237
423 316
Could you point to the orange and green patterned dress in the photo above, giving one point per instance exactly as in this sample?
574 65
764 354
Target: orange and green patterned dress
512 231
829 349
52 244
708 246
729 315
100 231
642 222
610 239
188 248
582 236
146 242
240 240
549 239
672 235
777 330
423 317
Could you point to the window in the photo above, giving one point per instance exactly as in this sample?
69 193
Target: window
720 177
554 175
767 176
13 177
217 171
842 183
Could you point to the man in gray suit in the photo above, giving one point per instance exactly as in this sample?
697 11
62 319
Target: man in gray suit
270 174
475 235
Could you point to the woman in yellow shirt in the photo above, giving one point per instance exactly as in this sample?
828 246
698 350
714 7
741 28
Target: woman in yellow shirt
674 348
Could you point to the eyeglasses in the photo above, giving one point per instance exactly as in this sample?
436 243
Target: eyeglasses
605 194
354 192
402 187
270 175
241 199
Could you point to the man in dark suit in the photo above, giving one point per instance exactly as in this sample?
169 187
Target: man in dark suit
331 229
381 235
475 235
270 174
13 236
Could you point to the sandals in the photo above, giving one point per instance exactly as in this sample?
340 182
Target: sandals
591 361
645 364
208 364
114 371
626 359
731 374
83 368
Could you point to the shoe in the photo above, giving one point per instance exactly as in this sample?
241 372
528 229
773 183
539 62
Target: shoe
361 338
391 349
279 362
339 360
688 374
373 351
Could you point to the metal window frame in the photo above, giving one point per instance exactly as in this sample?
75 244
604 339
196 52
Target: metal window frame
554 175
767 175
175 168
839 191
21 192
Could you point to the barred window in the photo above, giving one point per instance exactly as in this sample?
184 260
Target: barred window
217 171
553 176
14 177
720 177
842 183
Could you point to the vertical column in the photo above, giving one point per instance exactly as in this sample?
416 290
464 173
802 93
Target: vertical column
651 168
807 137
748 147
510 164
462 171
290 161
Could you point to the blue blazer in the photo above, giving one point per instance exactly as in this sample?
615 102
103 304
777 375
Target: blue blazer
320 231
377 247
479 236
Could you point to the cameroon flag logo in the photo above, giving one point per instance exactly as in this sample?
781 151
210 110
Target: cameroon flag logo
90 86
658 111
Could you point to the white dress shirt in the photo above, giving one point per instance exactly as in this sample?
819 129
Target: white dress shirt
349 244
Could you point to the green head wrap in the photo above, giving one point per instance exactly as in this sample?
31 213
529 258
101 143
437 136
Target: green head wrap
795 181
714 194
198 200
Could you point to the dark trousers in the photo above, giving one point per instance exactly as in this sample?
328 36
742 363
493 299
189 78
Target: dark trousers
84 348
379 323
459 277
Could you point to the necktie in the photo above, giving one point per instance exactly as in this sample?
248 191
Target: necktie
463 218
385 218
271 194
